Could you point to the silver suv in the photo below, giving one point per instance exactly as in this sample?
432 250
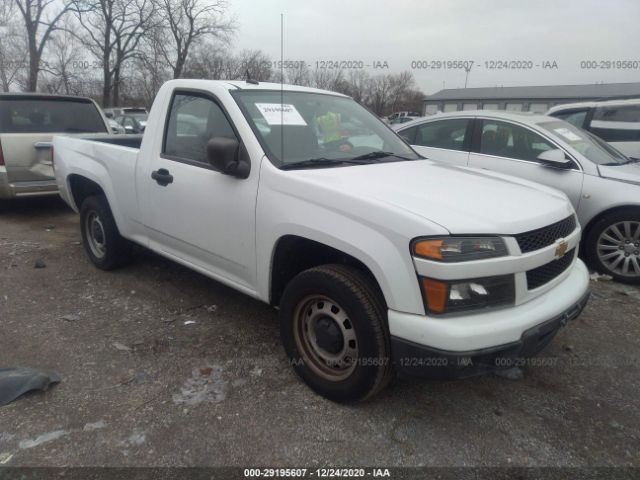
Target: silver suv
616 121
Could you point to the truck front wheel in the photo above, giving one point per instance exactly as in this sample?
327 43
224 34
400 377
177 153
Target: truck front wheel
334 329
102 241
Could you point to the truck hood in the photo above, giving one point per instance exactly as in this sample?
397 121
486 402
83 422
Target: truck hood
625 173
462 200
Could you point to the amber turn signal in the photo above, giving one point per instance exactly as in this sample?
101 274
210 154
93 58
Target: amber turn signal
429 249
436 294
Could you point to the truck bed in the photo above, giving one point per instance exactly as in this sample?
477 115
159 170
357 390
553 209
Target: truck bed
130 141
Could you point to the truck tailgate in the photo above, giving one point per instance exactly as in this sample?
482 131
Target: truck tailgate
27 157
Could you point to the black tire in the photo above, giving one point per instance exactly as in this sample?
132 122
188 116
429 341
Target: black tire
363 311
629 246
99 228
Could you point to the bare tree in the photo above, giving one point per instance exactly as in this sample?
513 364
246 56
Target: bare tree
112 30
38 30
65 72
328 79
215 61
188 22
12 47
147 70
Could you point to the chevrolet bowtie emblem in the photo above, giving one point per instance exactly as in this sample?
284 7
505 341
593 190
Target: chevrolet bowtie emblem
561 249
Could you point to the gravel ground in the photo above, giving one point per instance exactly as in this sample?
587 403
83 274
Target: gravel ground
161 366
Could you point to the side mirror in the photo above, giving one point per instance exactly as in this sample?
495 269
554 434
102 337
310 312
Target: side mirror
229 156
554 158
128 129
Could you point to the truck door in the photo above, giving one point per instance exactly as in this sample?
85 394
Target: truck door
194 212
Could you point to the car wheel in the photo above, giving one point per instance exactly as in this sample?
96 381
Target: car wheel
613 246
334 329
102 241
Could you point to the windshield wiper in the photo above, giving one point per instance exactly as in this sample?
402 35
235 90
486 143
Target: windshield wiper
380 155
318 162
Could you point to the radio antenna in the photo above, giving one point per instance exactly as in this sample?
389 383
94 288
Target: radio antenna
282 87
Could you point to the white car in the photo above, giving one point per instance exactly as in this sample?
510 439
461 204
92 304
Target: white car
377 259
617 121
602 183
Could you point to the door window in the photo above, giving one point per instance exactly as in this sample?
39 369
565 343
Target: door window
574 117
617 124
448 134
409 134
504 139
193 120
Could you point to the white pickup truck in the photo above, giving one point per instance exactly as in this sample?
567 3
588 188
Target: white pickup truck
378 259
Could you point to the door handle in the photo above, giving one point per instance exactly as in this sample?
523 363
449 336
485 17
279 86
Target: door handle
162 177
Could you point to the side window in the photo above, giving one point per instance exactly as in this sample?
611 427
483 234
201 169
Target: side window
617 124
574 117
448 134
193 120
512 141
409 135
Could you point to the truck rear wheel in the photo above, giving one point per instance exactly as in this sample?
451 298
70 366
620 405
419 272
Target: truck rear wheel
102 241
334 330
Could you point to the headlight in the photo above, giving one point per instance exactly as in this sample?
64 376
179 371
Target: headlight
459 249
454 296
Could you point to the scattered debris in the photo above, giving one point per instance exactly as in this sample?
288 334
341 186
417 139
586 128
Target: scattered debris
121 347
211 308
15 382
135 440
205 385
514 373
5 457
47 437
257 372
596 277
40 264
50 227
90 427
70 318
567 348
189 322
616 425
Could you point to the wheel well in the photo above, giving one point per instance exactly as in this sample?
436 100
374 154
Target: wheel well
81 188
295 254
600 216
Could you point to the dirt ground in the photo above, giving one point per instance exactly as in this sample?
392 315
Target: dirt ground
161 366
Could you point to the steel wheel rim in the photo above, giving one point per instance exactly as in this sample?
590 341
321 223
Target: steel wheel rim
96 237
618 248
311 315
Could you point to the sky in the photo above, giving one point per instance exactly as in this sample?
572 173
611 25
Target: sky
549 42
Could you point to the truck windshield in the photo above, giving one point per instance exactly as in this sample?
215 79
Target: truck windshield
302 129
593 148
25 114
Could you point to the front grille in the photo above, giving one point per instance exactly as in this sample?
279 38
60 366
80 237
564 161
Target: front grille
545 273
543 237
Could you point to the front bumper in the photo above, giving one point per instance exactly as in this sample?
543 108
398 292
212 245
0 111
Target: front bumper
411 359
473 344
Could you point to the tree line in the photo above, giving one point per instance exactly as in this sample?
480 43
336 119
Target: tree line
122 51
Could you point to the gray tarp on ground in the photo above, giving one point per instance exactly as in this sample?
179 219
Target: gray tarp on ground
15 382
